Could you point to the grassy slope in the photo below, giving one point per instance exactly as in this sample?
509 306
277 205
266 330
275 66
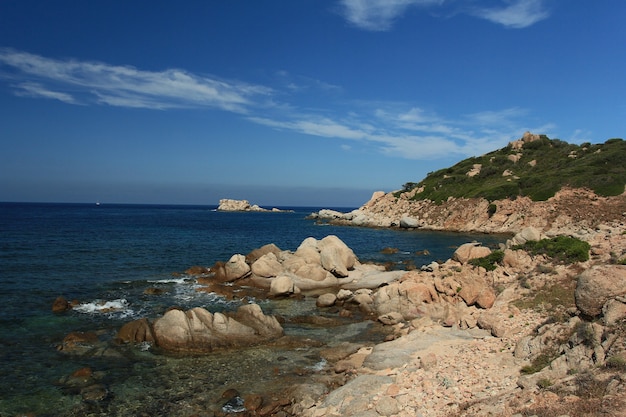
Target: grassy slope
600 167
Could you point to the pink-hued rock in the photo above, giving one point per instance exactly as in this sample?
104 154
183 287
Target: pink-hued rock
597 285
336 257
267 266
469 251
282 285
198 330
137 331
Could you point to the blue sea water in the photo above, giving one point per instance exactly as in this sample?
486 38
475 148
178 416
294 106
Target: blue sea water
107 255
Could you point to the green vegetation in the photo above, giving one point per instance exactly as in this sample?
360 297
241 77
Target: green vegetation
540 362
549 296
584 332
490 261
561 248
617 363
544 383
538 170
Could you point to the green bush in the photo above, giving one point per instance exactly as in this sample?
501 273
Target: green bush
616 362
561 248
544 383
488 262
541 361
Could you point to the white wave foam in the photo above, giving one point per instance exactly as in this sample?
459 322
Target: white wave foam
144 346
319 366
182 280
119 307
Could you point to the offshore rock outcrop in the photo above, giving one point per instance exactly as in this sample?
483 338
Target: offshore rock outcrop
227 204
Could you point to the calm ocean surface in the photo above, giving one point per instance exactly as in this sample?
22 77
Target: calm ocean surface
108 255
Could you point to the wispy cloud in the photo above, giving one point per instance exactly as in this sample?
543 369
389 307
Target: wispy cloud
393 129
380 15
410 132
30 89
75 82
516 14
316 126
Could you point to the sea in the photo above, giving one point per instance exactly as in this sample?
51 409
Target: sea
105 257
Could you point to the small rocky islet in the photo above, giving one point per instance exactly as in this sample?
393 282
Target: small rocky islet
523 333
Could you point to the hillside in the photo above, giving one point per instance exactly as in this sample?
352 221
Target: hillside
533 166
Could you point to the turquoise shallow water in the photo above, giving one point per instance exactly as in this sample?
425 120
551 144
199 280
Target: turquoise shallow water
107 255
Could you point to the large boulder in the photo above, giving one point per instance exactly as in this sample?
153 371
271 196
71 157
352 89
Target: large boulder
528 234
614 311
267 266
136 331
407 222
198 330
282 285
313 272
309 251
236 268
411 298
597 285
263 250
370 276
474 290
313 282
336 257
469 251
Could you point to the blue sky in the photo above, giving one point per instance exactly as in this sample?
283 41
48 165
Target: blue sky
307 102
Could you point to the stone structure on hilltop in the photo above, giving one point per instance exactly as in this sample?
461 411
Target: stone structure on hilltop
526 138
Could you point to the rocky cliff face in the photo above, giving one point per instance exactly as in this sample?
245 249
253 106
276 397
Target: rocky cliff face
569 211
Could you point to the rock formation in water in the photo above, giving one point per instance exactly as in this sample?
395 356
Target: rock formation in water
198 330
227 204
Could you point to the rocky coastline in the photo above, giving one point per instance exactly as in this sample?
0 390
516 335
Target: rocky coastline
569 212
532 336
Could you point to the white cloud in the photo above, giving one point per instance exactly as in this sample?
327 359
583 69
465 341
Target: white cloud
125 85
391 128
37 90
496 118
380 15
315 126
410 133
517 14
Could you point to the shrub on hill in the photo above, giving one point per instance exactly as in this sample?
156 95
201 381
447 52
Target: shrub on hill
538 170
490 261
562 248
